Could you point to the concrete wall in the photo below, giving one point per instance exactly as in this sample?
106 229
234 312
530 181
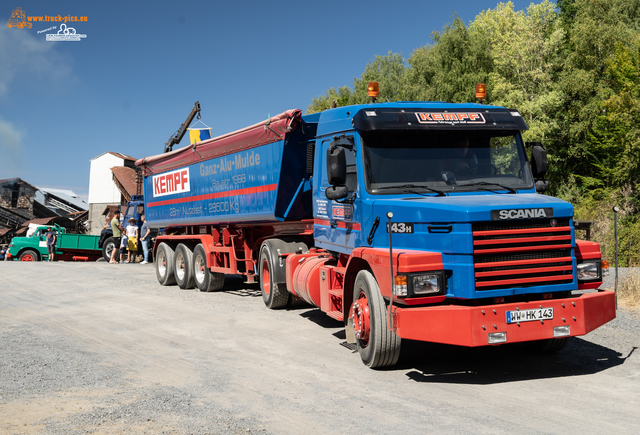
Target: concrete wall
96 221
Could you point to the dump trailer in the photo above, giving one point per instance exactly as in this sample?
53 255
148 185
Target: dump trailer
412 220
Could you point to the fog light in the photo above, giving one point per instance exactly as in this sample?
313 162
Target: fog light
561 331
400 287
425 284
497 337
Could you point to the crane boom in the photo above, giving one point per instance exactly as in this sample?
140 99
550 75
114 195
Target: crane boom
176 137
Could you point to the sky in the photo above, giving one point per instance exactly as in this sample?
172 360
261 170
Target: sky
128 84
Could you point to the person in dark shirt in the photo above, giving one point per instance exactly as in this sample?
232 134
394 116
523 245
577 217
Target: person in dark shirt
145 231
51 243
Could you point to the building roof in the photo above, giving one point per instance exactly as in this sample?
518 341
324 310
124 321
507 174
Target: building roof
119 155
125 179
67 196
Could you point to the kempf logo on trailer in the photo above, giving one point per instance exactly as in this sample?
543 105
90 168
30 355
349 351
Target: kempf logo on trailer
171 182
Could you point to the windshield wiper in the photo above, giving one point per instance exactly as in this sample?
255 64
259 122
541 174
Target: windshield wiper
486 183
413 186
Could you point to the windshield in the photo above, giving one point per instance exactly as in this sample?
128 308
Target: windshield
446 161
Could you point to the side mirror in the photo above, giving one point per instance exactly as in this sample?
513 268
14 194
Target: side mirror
336 192
336 166
539 164
542 186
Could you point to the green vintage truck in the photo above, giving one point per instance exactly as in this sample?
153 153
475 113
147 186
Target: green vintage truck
69 247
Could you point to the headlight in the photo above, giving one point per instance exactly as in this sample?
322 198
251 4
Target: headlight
419 284
588 271
426 284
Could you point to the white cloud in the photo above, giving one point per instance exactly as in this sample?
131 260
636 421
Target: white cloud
29 56
10 148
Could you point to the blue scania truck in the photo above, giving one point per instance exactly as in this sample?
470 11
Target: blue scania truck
413 220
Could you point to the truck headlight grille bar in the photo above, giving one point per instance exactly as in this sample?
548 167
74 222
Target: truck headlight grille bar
522 254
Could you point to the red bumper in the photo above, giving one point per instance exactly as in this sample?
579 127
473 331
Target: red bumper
470 326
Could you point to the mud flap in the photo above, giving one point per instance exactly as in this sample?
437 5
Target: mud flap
350 332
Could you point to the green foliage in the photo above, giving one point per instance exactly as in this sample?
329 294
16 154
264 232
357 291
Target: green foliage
571 68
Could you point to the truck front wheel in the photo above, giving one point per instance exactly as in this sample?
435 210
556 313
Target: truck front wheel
206 281
108 247
28 255
274 294
184 267
164 265
377 345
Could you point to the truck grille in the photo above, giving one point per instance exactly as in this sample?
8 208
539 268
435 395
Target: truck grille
522 253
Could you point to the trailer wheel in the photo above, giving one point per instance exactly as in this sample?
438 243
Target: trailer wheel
550 345
274 294
206 281
164 265
377 345
107 248
28 255
184 267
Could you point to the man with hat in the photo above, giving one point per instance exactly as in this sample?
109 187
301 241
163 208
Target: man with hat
132 234
116 228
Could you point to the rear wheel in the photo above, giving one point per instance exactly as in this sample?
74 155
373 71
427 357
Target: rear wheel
184 267
377 345
206 281
28 255
274 295
164 265
108 247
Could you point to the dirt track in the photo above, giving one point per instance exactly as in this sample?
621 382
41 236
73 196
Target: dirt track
99 348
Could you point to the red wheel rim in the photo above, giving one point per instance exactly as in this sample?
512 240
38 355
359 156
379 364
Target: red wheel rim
27 257
361 321
266 277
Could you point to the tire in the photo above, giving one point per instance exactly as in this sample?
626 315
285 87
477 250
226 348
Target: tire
107 248
377 345
550 345
183 268
164 265
274 295
206 281
29 255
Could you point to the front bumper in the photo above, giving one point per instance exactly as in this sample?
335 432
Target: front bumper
471 326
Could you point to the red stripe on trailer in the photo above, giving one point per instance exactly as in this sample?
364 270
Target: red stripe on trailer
227 193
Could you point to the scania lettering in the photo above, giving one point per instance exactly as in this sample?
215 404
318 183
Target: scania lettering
416 220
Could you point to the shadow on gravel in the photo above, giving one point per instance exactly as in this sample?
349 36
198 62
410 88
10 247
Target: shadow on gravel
508 363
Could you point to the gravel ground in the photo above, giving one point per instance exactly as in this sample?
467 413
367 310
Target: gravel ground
101 349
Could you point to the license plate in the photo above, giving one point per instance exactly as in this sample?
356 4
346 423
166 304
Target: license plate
529 315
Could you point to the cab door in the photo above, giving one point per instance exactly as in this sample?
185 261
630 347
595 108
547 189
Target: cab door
337 222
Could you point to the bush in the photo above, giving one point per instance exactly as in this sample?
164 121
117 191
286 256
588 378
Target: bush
629 291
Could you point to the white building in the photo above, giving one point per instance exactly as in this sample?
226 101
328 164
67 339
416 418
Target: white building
104 190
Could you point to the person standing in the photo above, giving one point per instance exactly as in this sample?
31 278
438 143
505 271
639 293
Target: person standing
116 228
51 243
132 234
145 231
3 252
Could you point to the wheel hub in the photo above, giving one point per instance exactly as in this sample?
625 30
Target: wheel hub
361 322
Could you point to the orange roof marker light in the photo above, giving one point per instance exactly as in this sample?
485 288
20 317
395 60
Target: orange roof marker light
481 91
374 91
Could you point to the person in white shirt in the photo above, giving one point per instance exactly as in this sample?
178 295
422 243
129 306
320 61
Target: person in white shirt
132 233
